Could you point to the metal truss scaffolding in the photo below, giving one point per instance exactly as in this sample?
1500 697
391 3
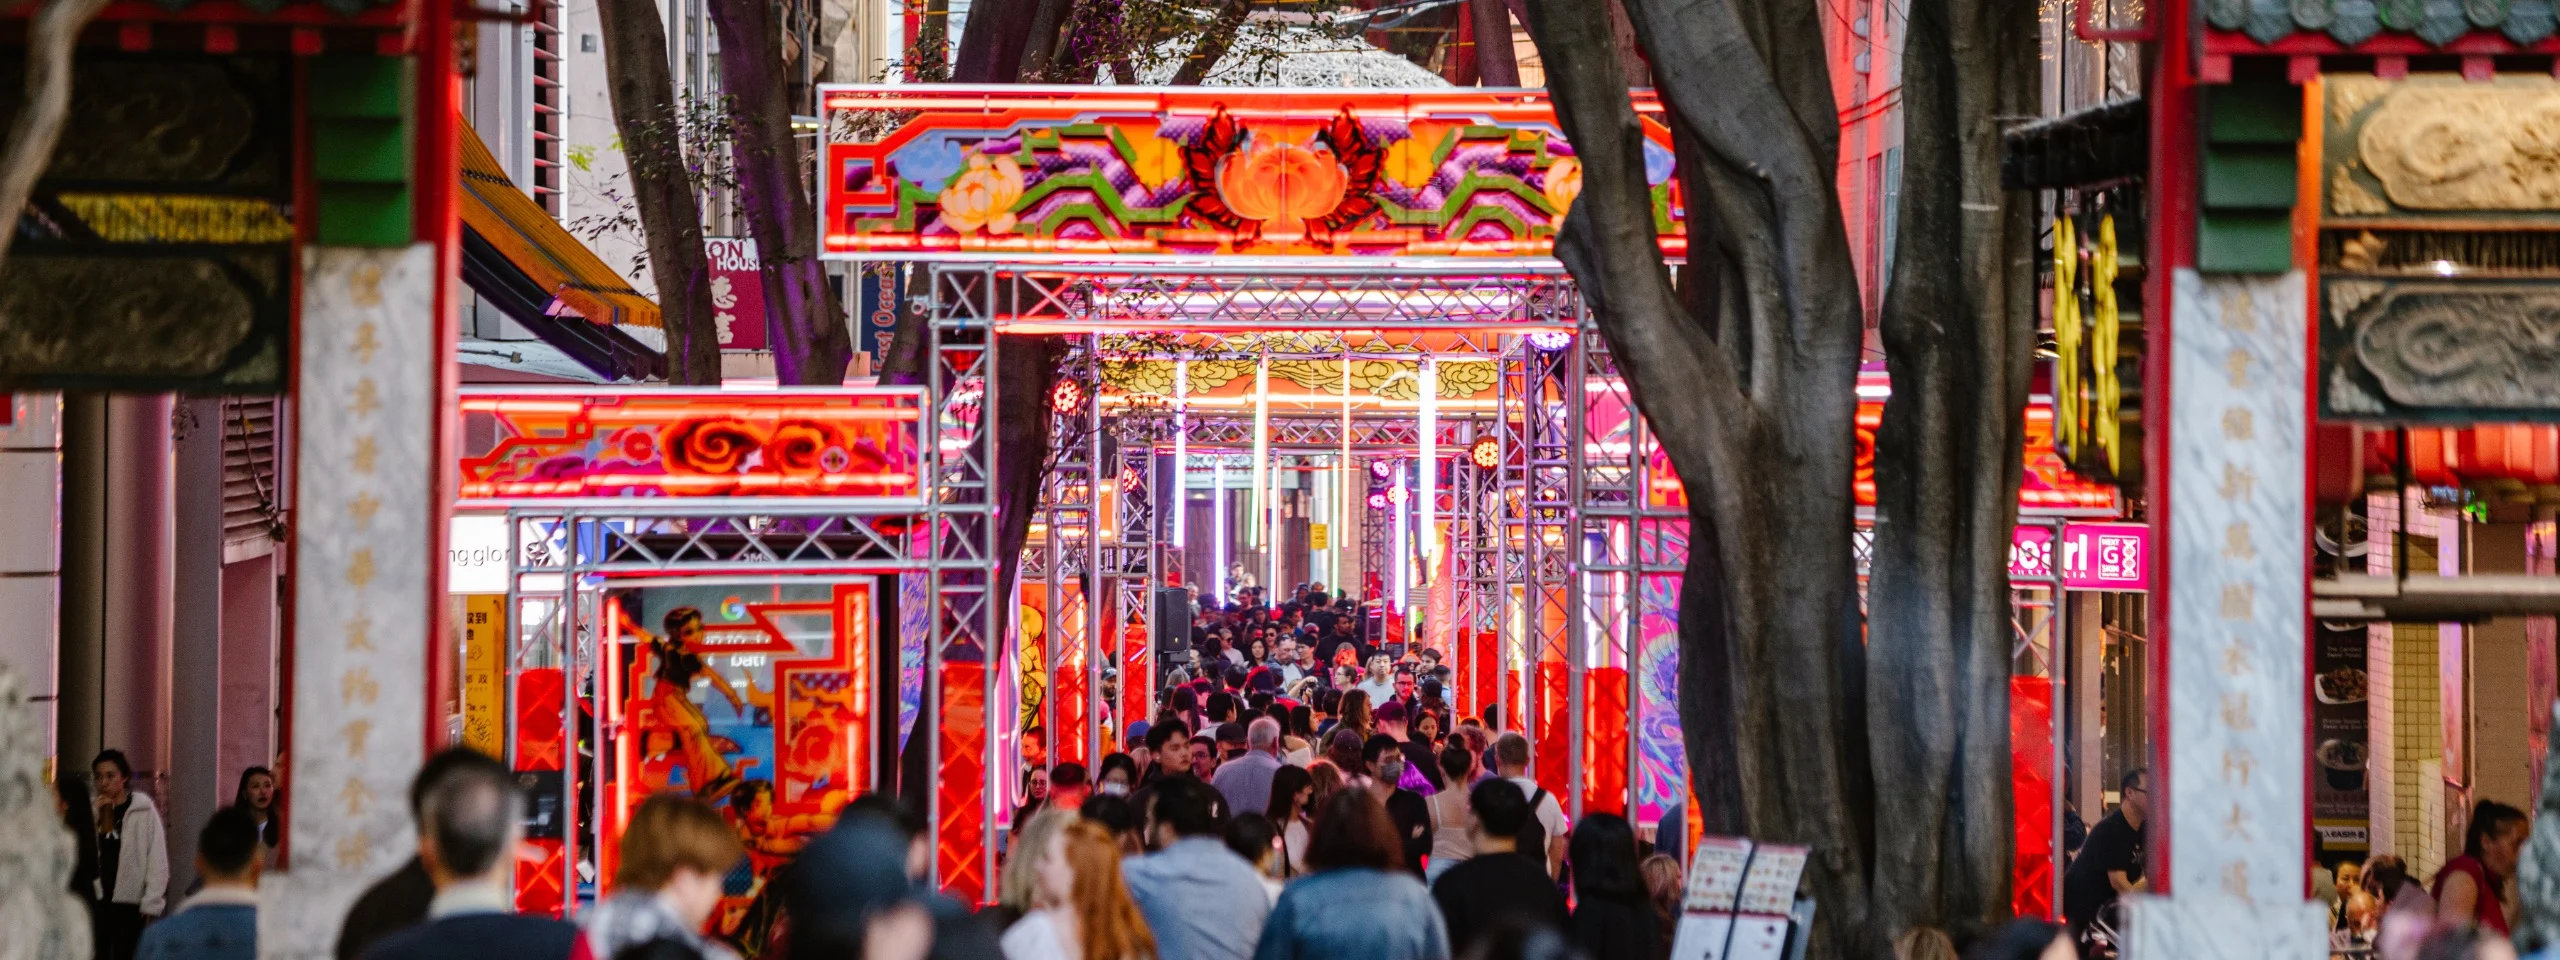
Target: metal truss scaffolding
1551 532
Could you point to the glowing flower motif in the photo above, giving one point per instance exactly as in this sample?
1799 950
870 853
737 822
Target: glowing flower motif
1281 184
1409 161
1658 163
929 163
984 195
1155 160
1564 182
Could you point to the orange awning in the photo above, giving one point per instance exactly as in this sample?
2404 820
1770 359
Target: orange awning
527 237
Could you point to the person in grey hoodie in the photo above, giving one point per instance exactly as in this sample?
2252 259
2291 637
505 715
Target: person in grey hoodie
1202 901
133 858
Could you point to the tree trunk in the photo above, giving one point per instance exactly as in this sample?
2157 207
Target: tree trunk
1496 64
1753 403
1959 334
804 320
643 92
52 38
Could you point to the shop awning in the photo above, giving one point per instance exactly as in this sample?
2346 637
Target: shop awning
522 262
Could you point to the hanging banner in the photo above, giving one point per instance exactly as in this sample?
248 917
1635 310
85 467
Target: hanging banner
737 292
1053 173
883 286
484 645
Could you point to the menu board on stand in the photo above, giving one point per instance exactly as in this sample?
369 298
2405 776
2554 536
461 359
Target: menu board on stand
1741 902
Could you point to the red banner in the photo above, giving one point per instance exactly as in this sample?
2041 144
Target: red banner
961 835
2031 777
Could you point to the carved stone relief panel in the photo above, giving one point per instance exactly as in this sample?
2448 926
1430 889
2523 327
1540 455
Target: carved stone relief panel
2434 143
2440 349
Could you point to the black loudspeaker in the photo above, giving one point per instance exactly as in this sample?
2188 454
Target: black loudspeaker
1173 624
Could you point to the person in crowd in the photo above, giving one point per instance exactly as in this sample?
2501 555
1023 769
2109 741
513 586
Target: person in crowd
1329 780
399 901
1221 709
1327 704
1426 730
133 858
1252 836
1343 750
256 794
1169 742
1418 754
1358 904
1068 786
1550 829
1358 713
1035 796
2471 887
1232 742
1613 916
80 817
1501 883
1300 744
2466 943
854 892
1120 816
1018 884
220 922
1084 911
2110 862
1453 818
1202 900
1671 833
1184 702
1379 683
1206 751
1479 744
1412 816
666 884
1403 691
1258 652
1119 775
2026 939
1291 809
1284 662
1665 887
1924 943
469 824
1246 780
1346 634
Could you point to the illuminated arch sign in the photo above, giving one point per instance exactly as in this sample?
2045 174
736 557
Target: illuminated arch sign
1052 173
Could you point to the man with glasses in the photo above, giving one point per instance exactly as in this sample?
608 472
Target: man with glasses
2110 861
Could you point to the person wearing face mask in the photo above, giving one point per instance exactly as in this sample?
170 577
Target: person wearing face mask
674 854
1119 775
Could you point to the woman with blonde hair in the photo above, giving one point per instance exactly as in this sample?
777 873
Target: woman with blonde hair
1018 887
1083 910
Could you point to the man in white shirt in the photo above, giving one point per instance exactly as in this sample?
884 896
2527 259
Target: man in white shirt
1290 671
1511 760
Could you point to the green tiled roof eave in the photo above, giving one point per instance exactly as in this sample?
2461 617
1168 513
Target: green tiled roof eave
2352 22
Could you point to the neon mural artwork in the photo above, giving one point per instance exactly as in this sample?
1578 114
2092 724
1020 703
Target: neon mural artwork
567 446
1063 173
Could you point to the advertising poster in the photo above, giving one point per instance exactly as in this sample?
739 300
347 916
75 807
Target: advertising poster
2339 812
876 310
737 292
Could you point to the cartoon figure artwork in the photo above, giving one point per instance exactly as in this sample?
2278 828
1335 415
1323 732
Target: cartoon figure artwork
788 749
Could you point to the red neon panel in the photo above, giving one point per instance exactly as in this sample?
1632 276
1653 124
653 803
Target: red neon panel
1485 659
539 744
1137 681
961 836
2031 777
1065 173
675 443
1604 742
1549 729
538 879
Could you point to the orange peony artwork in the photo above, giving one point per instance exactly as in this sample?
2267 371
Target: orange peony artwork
1564 182
983 195
1281 184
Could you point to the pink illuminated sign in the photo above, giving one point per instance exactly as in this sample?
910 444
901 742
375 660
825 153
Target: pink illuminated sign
2094 556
